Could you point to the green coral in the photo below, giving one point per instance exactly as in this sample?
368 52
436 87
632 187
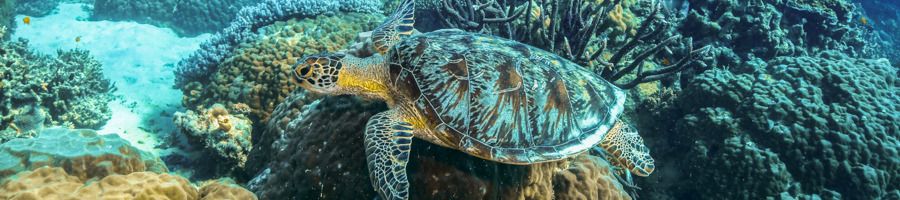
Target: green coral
67 90
259 73
82 153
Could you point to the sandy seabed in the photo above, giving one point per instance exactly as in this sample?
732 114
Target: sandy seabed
138 58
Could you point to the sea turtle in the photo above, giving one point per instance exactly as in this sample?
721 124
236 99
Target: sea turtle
490 97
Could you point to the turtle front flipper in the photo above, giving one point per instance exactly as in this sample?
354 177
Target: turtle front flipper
395 27
625 148
388 141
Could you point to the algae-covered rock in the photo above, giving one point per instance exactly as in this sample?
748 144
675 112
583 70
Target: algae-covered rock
82 153
227 136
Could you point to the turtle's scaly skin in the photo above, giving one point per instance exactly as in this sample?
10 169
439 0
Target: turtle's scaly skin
500 99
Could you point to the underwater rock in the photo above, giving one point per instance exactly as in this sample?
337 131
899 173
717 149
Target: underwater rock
259 74
186 18
822 125
245 28
82 153
68 89
55 183
314 149
226 136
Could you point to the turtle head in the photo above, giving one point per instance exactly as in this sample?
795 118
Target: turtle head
319 73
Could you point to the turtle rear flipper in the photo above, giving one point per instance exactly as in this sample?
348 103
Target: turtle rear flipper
625 148
395 27
388 142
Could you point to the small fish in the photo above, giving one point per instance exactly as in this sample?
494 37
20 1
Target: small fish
27 20
78 39
864 20
665 61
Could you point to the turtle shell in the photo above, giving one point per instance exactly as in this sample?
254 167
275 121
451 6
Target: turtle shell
502 100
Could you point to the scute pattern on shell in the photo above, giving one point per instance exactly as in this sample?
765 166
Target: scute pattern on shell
503 100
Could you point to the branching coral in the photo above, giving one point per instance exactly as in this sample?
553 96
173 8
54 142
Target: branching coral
200 64
581 31
67 90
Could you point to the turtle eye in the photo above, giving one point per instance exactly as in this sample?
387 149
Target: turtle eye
301 71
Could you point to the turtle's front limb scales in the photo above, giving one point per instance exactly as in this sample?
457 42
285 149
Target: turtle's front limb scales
388 140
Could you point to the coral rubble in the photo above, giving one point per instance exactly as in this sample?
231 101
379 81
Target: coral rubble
82 153
226 135
188 18
314 149
38 90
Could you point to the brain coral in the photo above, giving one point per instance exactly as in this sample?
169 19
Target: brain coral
37 90
82 153
823 125
226 135
313 149
189 18
55 183
258 74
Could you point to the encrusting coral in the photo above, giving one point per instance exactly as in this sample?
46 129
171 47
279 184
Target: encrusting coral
228 136
314 149
82 153
55 183
37 90
258 74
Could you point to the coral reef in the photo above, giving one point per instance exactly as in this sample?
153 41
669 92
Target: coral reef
228 136
615 38
37 90
186 18
7 18
808 126
55 183
82 153
258 74
882 18
743 30
244 28
314 149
